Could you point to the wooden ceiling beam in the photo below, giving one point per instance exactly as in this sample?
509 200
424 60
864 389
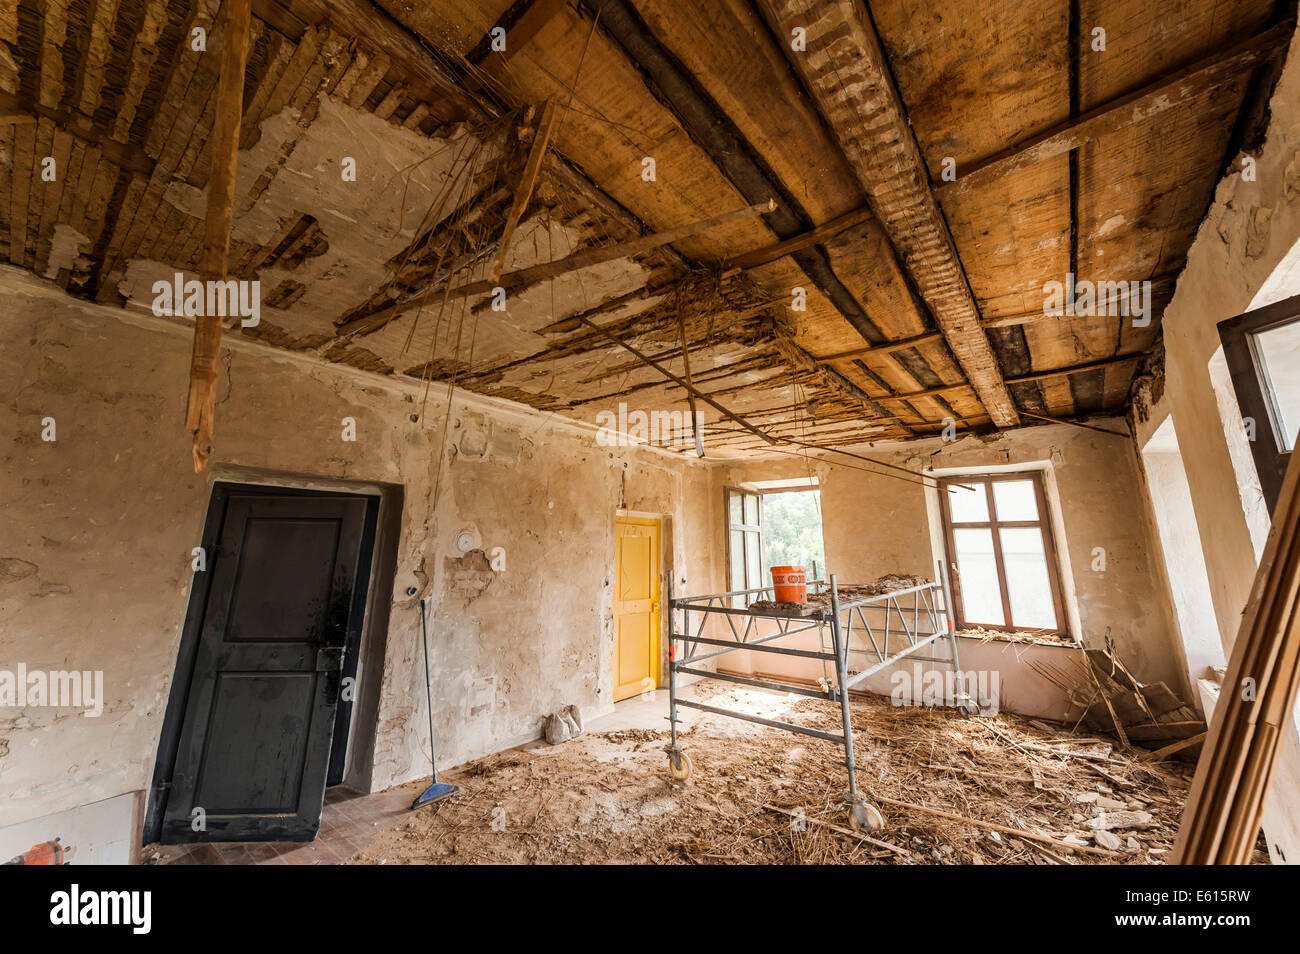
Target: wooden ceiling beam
522 27
814 236
1022 379
717 136
845 70
1075 368
887 348
1161 282
1167 92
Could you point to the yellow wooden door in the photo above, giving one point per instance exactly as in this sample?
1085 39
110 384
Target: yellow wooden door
636 606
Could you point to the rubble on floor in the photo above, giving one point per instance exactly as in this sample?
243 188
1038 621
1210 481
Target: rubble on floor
1113 701
954 789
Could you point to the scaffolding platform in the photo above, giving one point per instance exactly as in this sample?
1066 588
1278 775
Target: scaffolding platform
915 617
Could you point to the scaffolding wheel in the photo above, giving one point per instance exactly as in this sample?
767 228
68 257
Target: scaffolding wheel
865 816
679 764
969 707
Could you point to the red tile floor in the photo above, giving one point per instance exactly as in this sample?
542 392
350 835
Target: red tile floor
348 821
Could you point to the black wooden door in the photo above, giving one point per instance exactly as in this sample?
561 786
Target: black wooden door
287 597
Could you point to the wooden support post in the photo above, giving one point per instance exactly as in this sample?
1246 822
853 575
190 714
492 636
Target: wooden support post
235 23
690 396
527 182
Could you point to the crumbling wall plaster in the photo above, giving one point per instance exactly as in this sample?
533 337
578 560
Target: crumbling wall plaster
1243 243
875 524
99 526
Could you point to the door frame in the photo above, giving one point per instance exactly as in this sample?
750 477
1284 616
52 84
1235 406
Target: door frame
381 529
660 522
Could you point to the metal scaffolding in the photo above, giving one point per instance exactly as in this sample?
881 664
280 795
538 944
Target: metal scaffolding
840 622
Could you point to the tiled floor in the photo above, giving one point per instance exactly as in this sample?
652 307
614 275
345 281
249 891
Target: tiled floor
347 823
349 820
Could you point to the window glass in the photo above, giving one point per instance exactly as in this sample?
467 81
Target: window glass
734 514
1015 500
753 560
1277 351
792 531
1028 585
969 506
751 509
981 596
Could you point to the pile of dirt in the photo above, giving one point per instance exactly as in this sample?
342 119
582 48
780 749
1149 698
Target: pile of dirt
759 795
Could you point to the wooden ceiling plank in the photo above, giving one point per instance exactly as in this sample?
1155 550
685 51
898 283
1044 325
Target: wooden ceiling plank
90 78
490 65
38 191
51 197
24 137
845 70
1139 106
143 55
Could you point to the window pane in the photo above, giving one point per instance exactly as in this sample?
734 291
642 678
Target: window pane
1278 352
1015 500
753 560
792 531
737 559
1027 581
981 597
969 506
733 508
751 509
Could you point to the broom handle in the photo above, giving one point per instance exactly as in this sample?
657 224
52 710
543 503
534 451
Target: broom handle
428 691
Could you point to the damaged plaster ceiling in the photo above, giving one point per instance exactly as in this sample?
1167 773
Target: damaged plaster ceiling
923 296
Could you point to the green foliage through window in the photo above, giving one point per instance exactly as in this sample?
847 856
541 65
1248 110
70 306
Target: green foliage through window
792 531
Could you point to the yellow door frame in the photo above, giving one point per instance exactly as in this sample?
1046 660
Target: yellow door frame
655 610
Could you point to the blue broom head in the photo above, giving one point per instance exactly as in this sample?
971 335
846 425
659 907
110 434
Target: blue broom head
436 791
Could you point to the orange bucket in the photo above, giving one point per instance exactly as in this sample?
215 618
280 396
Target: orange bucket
790 584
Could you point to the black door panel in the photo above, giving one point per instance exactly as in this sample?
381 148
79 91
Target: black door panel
286 601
